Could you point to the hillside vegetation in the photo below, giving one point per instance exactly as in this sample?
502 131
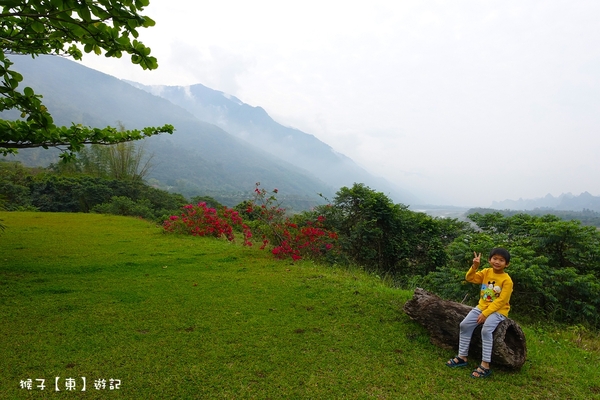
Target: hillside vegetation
555 264
170 316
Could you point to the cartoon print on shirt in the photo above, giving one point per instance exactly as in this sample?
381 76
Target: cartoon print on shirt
490 292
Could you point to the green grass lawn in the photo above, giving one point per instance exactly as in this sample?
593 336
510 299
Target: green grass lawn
103 297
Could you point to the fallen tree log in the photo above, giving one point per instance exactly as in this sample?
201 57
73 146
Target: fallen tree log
442 320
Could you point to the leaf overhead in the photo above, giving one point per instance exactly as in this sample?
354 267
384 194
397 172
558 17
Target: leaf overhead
65 27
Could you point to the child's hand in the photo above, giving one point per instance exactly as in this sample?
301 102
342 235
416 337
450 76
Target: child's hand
476 260
481 319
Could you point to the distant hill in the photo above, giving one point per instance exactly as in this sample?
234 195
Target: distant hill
564 202
586 216
255 126
198 159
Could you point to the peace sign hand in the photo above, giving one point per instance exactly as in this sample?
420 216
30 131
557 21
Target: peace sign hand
476 260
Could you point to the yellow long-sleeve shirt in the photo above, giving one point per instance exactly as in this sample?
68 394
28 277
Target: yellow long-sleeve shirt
496 290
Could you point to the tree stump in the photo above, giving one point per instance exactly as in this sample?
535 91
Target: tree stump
442 320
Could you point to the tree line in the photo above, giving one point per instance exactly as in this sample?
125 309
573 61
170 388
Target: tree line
55 190
585 216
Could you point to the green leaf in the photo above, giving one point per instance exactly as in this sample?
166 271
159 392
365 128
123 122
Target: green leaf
99 12
59 4
123 41
38 27
75 52
16 76
132 23
84 13
148 22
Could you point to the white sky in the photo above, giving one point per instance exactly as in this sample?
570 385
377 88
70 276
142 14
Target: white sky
461 102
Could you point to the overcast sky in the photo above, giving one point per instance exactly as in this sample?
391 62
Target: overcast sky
460 102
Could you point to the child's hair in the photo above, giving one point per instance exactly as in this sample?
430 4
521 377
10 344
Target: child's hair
500 252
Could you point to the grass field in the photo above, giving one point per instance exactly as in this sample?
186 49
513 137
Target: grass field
103 297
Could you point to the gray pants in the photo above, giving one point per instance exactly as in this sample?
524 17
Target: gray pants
468 325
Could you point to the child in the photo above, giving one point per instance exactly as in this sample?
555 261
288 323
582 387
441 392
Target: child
496 288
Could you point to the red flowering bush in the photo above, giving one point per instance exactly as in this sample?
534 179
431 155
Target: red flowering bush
201 220
301 236
295 241
294 237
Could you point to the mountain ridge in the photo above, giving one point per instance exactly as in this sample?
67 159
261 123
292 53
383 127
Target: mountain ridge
563 202
198 159
254 125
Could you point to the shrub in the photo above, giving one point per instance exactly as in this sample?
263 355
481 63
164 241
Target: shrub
34 189
295 237
201 220
385 237
121 205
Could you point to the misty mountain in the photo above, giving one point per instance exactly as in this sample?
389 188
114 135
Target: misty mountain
564 202
255 126
198 159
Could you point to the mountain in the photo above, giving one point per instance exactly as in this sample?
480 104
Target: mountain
202 157
564 202
255 126
198 159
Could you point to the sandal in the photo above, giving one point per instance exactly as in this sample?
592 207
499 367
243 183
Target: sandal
481 372
456 362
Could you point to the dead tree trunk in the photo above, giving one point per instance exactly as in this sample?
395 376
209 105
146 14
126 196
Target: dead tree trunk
442 319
